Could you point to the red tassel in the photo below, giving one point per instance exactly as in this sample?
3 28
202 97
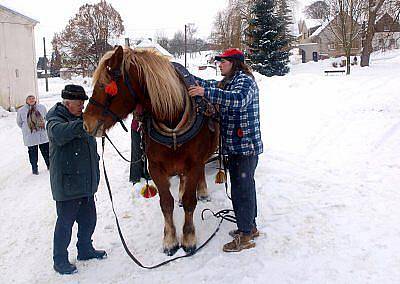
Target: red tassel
111 88
148 191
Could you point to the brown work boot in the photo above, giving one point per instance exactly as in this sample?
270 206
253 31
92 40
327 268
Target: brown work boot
239 243
254 233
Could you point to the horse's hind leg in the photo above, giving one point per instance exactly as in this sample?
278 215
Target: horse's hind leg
189 204
202 192
170 243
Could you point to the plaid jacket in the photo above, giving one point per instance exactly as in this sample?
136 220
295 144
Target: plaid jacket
240 113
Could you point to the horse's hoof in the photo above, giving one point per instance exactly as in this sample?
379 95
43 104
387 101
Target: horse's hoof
171 251
205 198
189 250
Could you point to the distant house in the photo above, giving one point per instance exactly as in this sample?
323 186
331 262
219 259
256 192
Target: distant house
148 44
322 42
42 64
387 33
306 27
17 58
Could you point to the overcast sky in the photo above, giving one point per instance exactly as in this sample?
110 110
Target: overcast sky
141 18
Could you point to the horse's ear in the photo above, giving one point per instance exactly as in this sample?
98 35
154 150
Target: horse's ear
116 60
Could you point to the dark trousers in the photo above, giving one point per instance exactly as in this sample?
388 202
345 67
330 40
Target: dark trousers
83 211
137 164
33 154
243 190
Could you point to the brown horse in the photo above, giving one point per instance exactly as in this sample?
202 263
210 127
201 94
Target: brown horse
149 79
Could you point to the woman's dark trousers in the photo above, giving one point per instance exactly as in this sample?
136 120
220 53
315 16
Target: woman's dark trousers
33 155
83 211
243 190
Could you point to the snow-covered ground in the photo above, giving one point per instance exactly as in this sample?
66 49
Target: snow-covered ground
327 183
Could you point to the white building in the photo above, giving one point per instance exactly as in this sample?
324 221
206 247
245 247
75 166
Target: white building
17 58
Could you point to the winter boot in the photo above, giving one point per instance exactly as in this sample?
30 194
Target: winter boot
254 233
65 267
240 242
91 254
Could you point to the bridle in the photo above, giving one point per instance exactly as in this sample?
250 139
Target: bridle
116 76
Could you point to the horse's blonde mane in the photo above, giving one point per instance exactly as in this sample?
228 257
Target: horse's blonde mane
162 82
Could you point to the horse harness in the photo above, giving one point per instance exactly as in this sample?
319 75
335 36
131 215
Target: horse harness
189 126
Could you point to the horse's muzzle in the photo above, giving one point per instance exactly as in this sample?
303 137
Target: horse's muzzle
97 130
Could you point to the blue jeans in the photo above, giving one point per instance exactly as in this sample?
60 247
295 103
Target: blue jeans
81 210
243 190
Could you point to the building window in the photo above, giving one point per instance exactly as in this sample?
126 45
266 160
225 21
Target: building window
331 45
386 28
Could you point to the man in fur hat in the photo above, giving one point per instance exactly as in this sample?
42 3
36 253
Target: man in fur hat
74 178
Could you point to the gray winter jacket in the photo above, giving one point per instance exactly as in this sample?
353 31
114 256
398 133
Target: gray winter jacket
74 162
35 137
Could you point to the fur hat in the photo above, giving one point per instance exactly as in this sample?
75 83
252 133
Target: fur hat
74 92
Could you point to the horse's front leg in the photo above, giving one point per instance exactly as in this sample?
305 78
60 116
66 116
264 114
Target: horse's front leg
189 204
202 192
170 243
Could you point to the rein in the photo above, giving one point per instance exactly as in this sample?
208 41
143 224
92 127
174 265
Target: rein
223 215
119 153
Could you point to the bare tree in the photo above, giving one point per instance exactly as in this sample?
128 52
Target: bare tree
89 35
372 9
343 25
317 10
230 25
177 44
162 39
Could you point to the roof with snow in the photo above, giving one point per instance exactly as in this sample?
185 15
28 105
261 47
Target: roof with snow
150 45
311 23
322 27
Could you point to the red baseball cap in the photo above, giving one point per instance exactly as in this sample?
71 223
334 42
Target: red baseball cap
233 53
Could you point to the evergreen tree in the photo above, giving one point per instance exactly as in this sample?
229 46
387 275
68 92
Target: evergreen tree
267 54
283 10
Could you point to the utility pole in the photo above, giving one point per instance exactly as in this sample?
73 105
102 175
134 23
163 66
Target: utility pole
185 44
45 64
127 44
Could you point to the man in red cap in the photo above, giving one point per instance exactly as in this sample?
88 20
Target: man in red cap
238 98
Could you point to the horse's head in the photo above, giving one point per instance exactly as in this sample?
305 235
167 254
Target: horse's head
111 99
124 78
